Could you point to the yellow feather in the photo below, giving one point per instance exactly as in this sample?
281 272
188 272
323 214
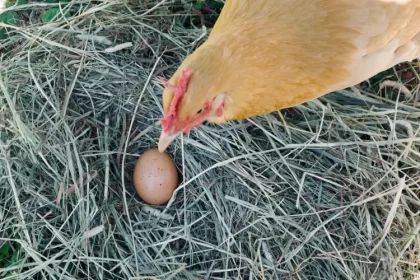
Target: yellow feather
273 54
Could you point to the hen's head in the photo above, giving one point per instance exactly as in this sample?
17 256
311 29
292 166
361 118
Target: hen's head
189 99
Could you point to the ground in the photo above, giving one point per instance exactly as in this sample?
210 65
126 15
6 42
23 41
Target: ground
326 190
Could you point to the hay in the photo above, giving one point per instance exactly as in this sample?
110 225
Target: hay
326 190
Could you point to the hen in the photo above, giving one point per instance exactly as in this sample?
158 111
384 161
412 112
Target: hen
262 56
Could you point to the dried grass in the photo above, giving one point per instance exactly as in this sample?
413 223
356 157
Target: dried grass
326 190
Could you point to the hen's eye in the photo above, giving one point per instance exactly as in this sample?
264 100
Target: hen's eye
199 111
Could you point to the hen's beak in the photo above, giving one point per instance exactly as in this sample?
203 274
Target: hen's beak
165 140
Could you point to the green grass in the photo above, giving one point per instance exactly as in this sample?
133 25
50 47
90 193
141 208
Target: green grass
21 11
326 190
8 258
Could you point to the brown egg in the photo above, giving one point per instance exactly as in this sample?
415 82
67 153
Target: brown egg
155 177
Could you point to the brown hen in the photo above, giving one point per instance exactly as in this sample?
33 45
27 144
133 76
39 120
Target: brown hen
262 56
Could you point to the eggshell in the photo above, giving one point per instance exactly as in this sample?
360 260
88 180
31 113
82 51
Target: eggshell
155 177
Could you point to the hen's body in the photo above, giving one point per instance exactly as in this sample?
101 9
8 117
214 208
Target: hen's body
273 54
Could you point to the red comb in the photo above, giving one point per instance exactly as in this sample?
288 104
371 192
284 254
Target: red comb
169 121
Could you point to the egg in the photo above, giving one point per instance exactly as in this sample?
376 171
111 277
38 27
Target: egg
155 177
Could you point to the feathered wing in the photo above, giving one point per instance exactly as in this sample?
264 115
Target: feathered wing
238 12
389 33
298 50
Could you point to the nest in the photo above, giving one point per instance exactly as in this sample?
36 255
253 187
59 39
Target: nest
325 190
